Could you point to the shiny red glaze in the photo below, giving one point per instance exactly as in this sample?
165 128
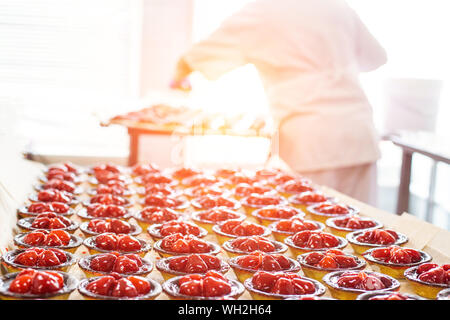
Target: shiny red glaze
185 244
295 224
331 259
158 214
59 185
245 189
253 243
127 287
159 188
195 263
156 178
309 197
54 195
433 273
160 200
108 199
284 283
113 262
50 220
105 210
262 261
201 180
363 281
263 200
183 173
240 177
280 212
212 284
56 207
209 202
109 225
53 238
241 228
378 236
38 257
332 208
216 215
143 169
204 191
390 296
297 186
355 223
315 240
177 226
37 282
114 242
397 255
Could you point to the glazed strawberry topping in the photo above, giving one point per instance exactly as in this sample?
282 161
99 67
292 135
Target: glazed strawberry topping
282 283
50 220
315 240
332 208
262 261
113 242
56 207
253 243
160 200
241 228
106 167
209 202
176 226
390 296
245 189
109 225
105 210
60 175
158 215
363 281
226 173
108 199
65 167
195 263
282 179
212 190
114 262
201 180
295 224
38 257
267 173
59 185
37 282
355 223
54 195
112 187
183 173
279 212
378 236
297 186
397 255
53 238
212 284
263 200
185 244
143 169
105 177
159 188
216 215
115 286
433 273
330 259
309 197
239 178
156 178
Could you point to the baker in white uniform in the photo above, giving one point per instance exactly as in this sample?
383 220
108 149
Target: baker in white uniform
309 54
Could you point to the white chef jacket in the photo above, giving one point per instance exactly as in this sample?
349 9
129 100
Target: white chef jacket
309 54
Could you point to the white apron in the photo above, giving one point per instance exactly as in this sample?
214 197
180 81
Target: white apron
309 54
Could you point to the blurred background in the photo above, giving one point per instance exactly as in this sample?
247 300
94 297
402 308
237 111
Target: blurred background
66 65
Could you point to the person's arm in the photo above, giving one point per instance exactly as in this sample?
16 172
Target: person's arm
223 50
370 54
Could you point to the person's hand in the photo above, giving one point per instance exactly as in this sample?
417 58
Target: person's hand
180 80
